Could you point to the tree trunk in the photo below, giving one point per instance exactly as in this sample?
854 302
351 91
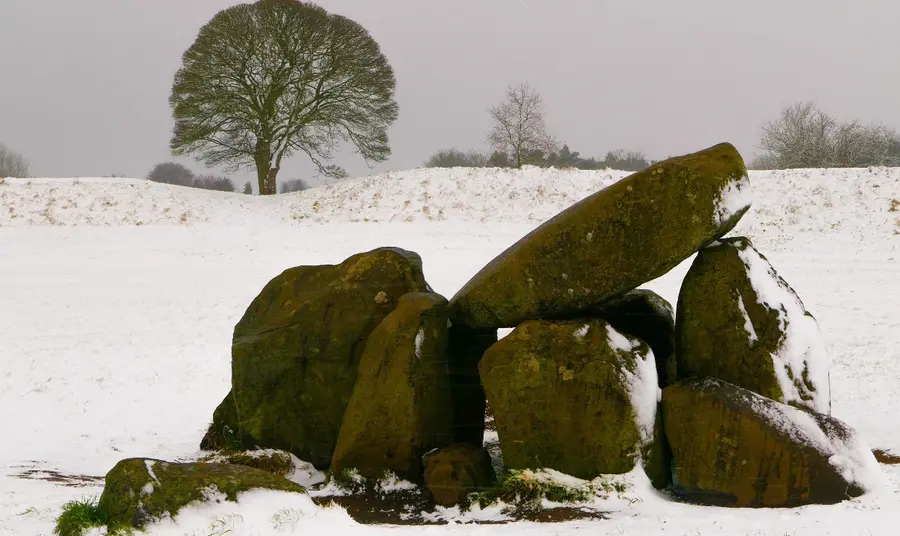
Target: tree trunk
265 177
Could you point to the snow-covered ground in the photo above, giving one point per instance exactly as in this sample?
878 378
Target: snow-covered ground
118 298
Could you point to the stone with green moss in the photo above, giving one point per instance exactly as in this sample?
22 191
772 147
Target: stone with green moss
646 315
272 461
224 432
740 322
574 396
140 490
454 472
296 351
733 447
401 406
610 242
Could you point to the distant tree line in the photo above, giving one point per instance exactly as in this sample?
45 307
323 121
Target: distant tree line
12 164
519 136
175 173
804 136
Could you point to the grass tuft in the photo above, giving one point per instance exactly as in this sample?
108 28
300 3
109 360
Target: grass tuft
525 492
78 517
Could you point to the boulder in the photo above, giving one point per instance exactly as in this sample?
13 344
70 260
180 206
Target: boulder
453 472
575 396
401 406
610 242
733 447
140 490
467 347
740 322
648 316
296 351
224 432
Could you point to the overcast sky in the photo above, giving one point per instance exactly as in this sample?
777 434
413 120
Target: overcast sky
84 84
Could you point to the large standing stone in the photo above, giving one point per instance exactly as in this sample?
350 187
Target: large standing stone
139 491
574 396
739 321
610 242
401 406
733 447
453 472
648 316
296 351
467 346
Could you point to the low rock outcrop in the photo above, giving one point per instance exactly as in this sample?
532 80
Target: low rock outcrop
733 447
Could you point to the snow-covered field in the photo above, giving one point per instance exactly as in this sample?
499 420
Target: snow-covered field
118 298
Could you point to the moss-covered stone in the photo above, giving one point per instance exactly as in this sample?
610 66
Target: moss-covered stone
610 242
467 347
453 472
224 432
273 461
732 447
140 490
648 316
740 322
401 406
296 351
575 396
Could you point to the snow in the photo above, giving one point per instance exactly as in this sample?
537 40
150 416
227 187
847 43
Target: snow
420 338
643 383
582 332
115 337
620 342
735 197
803 353
748 324
149 464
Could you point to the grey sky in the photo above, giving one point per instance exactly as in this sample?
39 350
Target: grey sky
84 84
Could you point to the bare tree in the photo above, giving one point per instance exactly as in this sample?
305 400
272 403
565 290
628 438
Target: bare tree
806 137
12 164
518 129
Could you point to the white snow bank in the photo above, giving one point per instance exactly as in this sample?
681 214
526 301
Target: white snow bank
795 200
802 356
846 451
255 513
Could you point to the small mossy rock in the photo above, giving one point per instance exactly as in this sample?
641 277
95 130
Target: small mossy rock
733 447
453 472
467 347
610 242
224 432
140 490
648 316
401 406
296 351
740 322
575 396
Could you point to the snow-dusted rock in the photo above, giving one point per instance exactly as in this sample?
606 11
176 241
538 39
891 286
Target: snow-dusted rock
453 472
576 396
739 321
610 242
733 447
401 405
